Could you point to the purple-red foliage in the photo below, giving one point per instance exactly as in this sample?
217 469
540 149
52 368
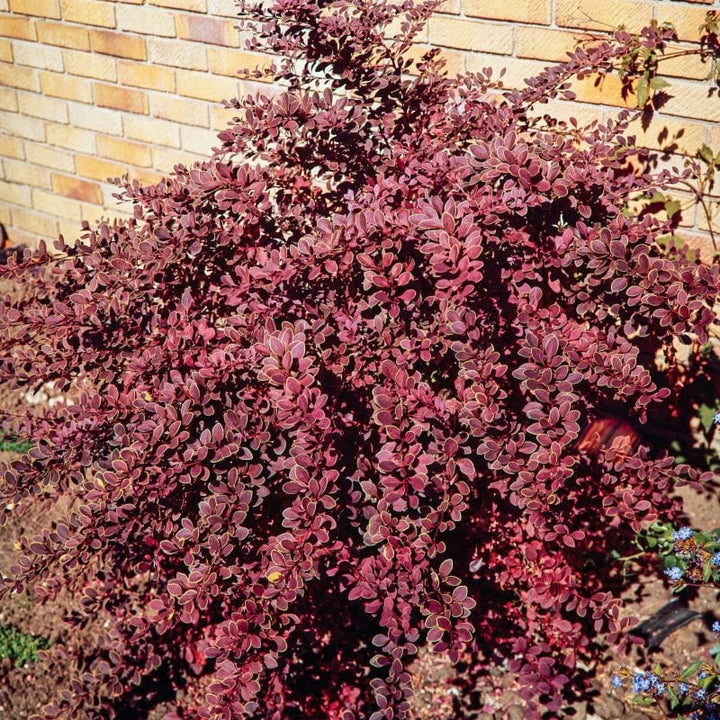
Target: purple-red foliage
323 392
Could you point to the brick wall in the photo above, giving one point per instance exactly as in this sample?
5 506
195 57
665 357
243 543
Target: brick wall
91 89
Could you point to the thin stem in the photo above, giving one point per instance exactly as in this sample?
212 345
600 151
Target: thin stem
700 198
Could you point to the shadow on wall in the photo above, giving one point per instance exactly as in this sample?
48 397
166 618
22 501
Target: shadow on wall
5 249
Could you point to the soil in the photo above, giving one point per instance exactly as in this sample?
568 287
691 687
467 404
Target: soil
24 690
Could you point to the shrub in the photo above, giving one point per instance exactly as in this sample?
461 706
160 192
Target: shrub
323 392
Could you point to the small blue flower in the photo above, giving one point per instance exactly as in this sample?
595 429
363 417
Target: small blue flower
674 573
716 418
716 627
660 688
616 681
683 688
641 683
716 559
682 534
700 694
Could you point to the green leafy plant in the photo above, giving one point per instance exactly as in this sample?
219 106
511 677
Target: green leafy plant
10 443
639 69
639 66
19 647
649 540
710 44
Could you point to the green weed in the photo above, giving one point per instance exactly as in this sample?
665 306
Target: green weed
19 647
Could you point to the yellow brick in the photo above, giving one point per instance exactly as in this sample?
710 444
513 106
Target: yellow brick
527 11
165 160
48 157
222 117
198 140
686 20
664 133
450 7
21 237
206 87
68 36
185 5
15 27
251 87
8 99
23 78
77 189
91 65
225 8
11 146
594 15
92 118
71 138
207 30
35 222
92 167
117 44
146 21
701 243
15 194
691 100
21 125
146 177
686 66
69 229
89 12
715 139
232 62
43 107
188 112
606 91
5 215
36 55
120 98
39 8
464 35
64 86
23 173
151 130
455 61
123 150
56 205
6 54
146 76
544 44
190 56
704 222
